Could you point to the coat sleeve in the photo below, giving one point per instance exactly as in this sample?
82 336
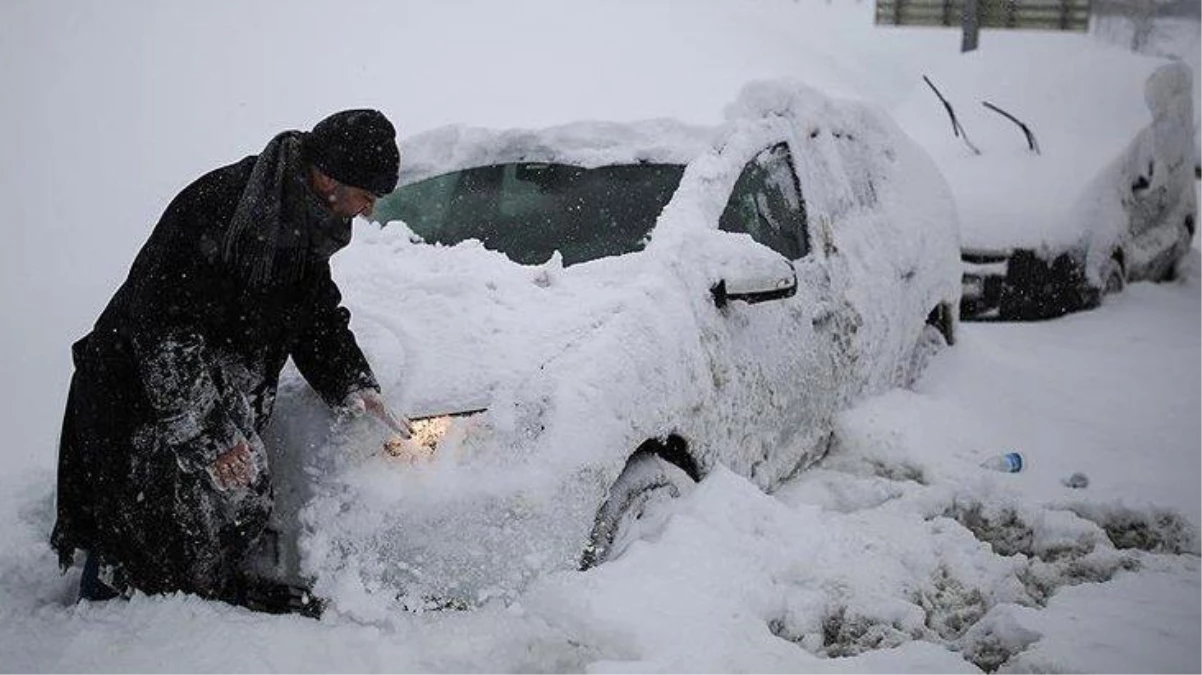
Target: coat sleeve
326 352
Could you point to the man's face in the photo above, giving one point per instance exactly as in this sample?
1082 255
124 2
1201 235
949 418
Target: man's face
347 201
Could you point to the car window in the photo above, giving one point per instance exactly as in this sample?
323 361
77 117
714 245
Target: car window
529 210
766 203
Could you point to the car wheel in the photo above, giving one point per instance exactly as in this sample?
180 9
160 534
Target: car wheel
1113 280
634 506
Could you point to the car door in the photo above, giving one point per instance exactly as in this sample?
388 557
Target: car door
778 361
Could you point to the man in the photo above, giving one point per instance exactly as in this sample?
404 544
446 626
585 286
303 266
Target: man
163 479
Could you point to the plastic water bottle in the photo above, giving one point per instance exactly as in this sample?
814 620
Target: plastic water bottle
1011 462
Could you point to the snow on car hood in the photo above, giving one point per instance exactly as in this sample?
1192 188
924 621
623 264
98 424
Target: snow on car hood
438 323
460 327
1084 104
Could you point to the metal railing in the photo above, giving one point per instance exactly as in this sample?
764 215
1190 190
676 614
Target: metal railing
1069 15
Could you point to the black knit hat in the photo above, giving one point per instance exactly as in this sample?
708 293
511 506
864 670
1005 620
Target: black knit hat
357 148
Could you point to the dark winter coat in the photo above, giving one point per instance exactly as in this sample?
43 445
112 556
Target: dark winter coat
184 362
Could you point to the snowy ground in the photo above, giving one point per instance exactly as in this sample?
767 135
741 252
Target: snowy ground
898 553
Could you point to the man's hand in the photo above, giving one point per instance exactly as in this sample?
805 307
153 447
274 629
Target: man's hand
234 468
370 401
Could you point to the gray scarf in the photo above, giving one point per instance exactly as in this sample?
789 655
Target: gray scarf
280 226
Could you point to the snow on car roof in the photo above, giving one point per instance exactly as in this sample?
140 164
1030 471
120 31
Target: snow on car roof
588 144
1085 102
599 143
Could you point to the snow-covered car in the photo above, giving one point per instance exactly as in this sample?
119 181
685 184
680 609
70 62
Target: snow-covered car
586 320
1074 178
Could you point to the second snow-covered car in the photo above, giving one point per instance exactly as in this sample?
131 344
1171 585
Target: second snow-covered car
587 319
1090 184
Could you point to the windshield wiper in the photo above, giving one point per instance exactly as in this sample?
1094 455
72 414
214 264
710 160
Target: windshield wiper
1032 144
956 128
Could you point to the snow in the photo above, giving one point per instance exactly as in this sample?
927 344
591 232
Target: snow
587 144
897 553
1008 195
1175 37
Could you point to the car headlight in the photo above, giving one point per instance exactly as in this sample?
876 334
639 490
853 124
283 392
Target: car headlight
428 432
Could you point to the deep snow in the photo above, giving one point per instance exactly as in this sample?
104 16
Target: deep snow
875 561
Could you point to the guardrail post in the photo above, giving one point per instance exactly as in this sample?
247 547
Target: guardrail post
972 25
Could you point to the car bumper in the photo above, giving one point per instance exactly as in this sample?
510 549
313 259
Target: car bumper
1021 285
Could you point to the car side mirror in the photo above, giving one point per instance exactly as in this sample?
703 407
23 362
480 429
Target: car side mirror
756 285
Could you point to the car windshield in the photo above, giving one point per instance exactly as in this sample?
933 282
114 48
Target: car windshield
530 210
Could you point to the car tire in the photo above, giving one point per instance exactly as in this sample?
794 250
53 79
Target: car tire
1113 280
634 506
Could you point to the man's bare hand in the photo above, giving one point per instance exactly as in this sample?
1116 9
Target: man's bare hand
234 468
